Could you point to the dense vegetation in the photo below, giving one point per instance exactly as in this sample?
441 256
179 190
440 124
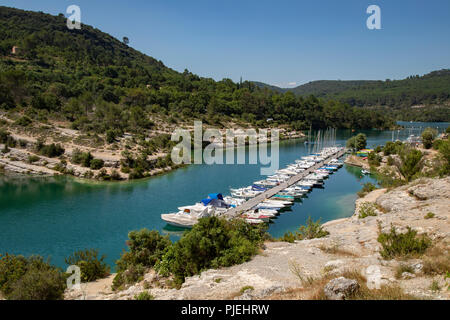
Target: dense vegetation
92 266
395 244
102 85
432 88
30 279
212 243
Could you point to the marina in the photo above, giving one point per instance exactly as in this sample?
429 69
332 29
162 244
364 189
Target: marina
261 202
56 216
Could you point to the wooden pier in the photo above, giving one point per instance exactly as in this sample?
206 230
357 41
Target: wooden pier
233 212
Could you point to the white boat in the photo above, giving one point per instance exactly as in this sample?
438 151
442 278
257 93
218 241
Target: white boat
187 218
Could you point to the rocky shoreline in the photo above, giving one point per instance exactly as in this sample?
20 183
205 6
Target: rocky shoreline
351 246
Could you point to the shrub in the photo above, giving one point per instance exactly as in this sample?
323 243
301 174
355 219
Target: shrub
91 265
7 140
144 296
411 163
243 289
33 158
51 150
30 279
403 268
213 242
374 159
367 188
97 164
429 215
23 121
312 230
146 248
402 244
428 135
367 209
390 161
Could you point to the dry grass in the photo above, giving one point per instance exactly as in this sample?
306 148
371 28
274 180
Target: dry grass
437 260
403 268
313 289
336 250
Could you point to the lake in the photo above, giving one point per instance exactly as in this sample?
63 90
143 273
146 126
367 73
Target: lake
55 216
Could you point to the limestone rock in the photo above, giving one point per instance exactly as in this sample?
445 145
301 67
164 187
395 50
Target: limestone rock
340 288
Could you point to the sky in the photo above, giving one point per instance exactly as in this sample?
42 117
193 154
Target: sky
284 42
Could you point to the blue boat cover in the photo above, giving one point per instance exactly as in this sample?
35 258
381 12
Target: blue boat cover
215 196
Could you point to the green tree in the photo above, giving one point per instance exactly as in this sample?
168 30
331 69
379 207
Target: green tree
428 136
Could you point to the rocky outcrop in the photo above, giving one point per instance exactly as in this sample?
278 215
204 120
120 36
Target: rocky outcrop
351 246
340 288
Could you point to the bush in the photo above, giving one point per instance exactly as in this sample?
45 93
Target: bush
144 296
23 121
213 242
357 142
374 159
429 215
411 163
97 164
33 159
7 139
390 161
312 230
51 150
91 265
30 279
146 248
367 209
428 135
367 188
402 244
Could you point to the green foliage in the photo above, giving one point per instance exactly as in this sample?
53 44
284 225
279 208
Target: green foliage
392 148
33 158
50 151
367 188
211 243
357 142
312 230
7 139
146 248
411 163
30 279
432 88
97 164
402 244
68 73
429 215
374 159
91 265
23 121
367 209
428 136
245 288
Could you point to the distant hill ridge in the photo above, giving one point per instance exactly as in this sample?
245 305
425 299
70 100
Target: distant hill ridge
431 88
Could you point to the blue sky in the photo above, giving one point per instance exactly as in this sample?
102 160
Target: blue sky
278 42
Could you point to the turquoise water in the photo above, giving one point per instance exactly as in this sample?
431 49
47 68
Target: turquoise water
59 215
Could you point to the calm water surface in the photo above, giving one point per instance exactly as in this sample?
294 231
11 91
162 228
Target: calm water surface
57 216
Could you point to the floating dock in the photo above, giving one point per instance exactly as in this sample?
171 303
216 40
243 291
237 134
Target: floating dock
234 212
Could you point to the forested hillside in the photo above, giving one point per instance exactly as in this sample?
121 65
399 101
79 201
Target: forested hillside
99 83
432 88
